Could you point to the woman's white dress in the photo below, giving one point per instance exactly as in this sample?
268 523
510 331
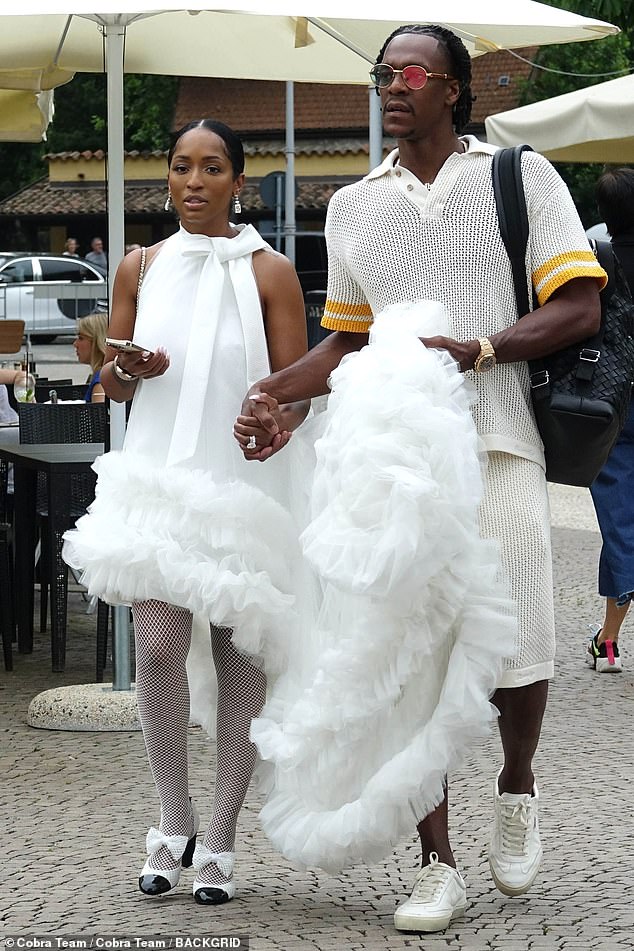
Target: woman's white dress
384 622
179 515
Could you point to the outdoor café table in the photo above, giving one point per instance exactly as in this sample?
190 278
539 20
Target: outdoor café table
58 462
9 434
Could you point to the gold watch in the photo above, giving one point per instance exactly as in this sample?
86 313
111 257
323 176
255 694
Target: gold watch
486 358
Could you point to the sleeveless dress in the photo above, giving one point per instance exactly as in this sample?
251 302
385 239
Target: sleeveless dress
179 515
350 565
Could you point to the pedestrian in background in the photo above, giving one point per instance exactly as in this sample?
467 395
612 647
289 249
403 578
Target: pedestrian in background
613 489
97 256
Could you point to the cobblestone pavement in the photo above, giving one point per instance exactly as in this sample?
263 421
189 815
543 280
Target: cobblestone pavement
76 807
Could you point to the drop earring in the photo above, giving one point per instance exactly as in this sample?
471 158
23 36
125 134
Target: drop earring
237 207
168 201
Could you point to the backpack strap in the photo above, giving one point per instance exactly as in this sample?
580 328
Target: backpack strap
604 254
510 201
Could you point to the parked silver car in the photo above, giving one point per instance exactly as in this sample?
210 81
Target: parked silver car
48 292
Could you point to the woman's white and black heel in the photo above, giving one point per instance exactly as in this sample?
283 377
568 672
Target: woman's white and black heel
153 881
204 892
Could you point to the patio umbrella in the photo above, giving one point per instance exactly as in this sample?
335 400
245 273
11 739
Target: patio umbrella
274 39
594 124
25 115
305 40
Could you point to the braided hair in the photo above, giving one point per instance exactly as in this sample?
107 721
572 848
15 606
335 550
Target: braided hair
460 65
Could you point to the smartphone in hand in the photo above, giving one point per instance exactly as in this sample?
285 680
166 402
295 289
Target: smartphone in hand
125 346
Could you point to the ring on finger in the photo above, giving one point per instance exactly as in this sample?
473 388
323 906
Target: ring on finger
251 443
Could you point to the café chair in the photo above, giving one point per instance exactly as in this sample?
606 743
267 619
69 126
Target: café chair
7 618
65 423
11 335
65 390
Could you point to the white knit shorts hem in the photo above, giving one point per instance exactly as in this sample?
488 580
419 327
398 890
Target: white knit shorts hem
522 676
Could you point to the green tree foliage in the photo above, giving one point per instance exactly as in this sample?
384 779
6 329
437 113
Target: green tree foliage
594 62
620 12
80 124
81 113
20 164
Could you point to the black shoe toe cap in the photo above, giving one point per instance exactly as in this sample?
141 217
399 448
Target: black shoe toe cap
211 896
154 884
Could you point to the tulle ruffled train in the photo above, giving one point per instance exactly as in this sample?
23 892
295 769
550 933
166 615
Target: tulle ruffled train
414 624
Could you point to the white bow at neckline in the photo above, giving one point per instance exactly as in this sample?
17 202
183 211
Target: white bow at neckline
225 259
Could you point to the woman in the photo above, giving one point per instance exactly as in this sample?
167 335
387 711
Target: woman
90 347
70 248
182 523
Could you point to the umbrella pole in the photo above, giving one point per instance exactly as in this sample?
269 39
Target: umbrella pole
115 38
376 130
289 205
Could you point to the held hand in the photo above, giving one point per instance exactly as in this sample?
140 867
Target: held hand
265 409
262 454
464 352
145 365
257 443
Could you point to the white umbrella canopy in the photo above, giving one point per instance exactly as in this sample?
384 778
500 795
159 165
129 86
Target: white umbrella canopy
309 41
268 39
594 124
25 115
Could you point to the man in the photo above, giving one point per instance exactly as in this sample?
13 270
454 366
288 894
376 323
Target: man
97 256
423 225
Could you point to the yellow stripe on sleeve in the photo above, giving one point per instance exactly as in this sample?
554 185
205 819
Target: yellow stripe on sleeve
356 318
563 268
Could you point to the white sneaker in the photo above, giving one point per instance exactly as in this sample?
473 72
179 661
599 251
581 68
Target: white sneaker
605 658
439 895
515 851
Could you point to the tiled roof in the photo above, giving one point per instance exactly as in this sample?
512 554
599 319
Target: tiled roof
343 146
100 155
251 106
44 199
339 146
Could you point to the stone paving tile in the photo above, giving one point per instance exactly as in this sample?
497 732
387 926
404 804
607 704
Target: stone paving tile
76 807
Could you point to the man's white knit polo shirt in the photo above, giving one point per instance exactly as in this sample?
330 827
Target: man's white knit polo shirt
391 238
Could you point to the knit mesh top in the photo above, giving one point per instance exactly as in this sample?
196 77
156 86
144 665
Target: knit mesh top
392 238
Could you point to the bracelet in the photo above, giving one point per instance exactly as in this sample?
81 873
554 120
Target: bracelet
120 373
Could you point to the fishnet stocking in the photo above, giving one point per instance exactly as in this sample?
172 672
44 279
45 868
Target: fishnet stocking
163 634
241 696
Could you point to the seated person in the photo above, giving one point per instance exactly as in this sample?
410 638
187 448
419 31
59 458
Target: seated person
90 347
